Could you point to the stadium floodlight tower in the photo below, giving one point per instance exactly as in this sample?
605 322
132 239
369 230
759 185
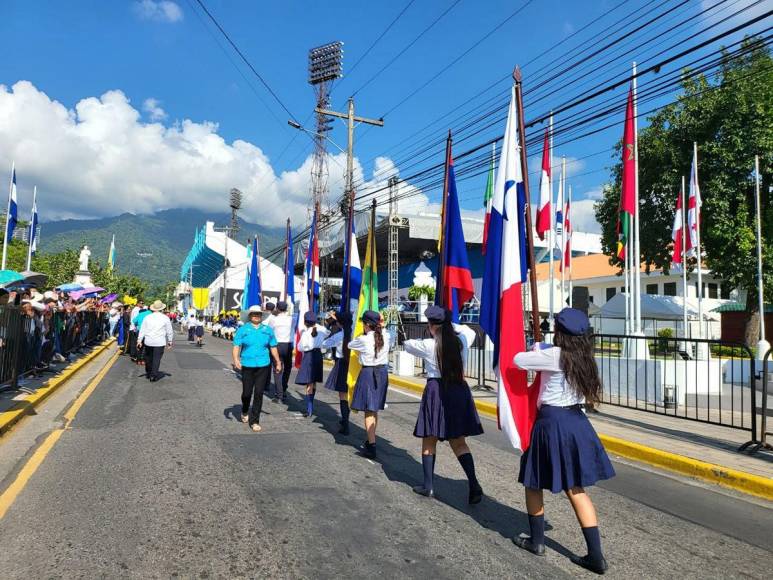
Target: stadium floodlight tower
236 204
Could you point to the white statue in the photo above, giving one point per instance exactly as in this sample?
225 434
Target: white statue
84 259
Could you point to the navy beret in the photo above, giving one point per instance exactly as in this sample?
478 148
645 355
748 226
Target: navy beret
572 321
310 318
281 306
436 314
371 317
270 306
344 318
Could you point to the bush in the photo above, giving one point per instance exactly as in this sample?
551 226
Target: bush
415 292
664 340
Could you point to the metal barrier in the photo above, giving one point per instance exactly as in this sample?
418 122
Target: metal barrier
763 441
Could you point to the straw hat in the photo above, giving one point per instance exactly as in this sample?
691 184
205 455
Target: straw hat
157 306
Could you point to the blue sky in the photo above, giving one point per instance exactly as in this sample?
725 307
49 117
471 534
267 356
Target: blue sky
172 66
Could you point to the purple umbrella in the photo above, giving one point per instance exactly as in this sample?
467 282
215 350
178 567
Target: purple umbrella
109 298
86 292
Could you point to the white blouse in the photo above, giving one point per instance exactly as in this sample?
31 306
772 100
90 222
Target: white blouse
335 341
365 345
308 342
554 389
425 349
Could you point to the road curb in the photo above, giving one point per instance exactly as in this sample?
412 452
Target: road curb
717 474
24 407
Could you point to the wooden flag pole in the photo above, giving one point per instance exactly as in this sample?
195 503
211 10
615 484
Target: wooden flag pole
439 286
287 261
372 256
529 235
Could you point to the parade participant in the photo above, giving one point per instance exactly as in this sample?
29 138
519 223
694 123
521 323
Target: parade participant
253 343
565 453
447 411
341 330
269 318
310 344
191 327
370 390
155 334
132 342
137 322
199 332
282 325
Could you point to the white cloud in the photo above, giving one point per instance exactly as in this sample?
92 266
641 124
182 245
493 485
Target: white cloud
153 108
583 217
573 166
100 159
158 10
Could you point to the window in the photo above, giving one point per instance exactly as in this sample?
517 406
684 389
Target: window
669 289
713 290
724 292
611 293
651 288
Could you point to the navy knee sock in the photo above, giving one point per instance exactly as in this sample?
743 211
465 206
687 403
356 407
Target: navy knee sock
593 540
428 465
309 404
537 529
344 404
469 468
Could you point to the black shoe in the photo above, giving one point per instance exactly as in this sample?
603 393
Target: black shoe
476 494
525 543
275 400
304 414
597 566
421 490
344 430
369 450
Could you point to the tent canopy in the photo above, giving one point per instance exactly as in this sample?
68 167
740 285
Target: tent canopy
655 306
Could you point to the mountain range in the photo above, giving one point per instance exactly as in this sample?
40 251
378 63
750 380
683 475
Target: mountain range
151 247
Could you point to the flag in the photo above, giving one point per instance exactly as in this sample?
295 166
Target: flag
567 259
488 196
545 191
33 227
368 299
246 291
13 209
290 269
310 286
253 288
456 276
694 204
111 254
501 300
351 286
676 234
628 187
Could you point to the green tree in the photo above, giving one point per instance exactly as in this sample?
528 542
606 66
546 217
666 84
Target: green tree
114 281
59 267
731 120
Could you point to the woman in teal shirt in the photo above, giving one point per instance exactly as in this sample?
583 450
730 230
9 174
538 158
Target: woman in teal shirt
253 344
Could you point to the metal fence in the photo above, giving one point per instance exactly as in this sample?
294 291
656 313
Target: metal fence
709 381
29 344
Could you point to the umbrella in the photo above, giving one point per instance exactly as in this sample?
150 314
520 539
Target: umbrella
70 287
34 278
86 292
109 298
8 277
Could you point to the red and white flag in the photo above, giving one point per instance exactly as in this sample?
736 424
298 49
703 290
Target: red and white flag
693 210
676 234
545 190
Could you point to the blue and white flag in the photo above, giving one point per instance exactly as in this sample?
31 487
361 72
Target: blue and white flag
33 231
351 285
13 208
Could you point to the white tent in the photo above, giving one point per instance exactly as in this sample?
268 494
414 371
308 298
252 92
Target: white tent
657 307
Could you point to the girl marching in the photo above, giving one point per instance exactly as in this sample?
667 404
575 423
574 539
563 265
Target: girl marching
447 411
370 390
310 345
336 380
565 453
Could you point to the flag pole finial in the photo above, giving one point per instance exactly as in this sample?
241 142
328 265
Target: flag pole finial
517 74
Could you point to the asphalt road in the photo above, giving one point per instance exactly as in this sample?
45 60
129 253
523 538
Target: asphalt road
160 480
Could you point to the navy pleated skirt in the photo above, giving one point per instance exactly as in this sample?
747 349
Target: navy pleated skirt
336 380
447 412
311 368
370 390
565 452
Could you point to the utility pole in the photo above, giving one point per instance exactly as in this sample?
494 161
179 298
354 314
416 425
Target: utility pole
395 223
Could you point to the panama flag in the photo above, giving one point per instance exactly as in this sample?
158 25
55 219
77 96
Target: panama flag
487 198
693 210
501 300
567 260
13 208
545 188
628 188
457 285
352 282
310 286
676 234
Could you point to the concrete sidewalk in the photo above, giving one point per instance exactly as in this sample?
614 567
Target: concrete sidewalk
692 448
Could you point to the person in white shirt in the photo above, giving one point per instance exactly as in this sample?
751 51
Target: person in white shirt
310 344
447 411
282 325
155 334
370 390
565 454
336 380
269 309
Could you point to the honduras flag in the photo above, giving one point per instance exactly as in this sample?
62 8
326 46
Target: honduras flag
33 227
13 208
502 316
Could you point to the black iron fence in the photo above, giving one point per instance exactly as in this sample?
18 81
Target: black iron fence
29 344
710 381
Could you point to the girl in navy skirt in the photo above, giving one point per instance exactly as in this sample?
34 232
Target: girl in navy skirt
370 390
310 372
565 453
336 380
447 411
